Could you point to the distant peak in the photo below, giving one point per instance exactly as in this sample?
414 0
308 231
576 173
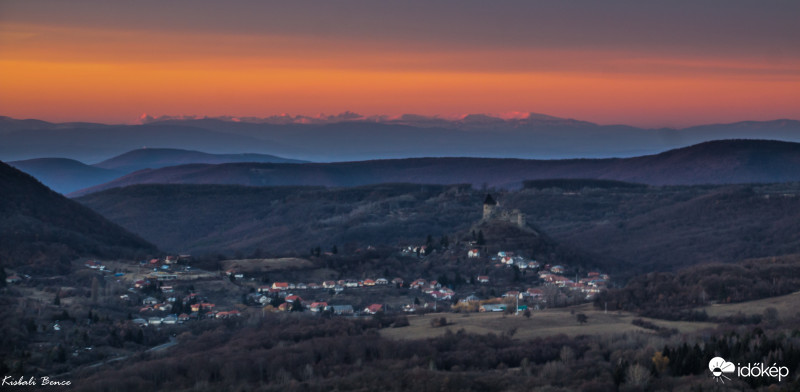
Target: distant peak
470 119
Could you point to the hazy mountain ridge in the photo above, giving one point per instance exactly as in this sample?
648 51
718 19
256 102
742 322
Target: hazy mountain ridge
156 158
67 175
348 137
98 141
718 162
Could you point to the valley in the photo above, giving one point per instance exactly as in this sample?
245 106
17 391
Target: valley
339 285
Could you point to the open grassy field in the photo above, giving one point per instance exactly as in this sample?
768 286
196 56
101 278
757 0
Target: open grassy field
266 265
542 323
786 305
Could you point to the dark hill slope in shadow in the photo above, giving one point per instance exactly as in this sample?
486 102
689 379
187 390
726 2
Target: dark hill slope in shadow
41 230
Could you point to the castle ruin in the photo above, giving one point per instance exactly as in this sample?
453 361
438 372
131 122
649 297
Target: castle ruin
493 212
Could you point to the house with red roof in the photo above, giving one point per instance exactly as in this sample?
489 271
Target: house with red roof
328 284
417 283
374 308
292 298
534 293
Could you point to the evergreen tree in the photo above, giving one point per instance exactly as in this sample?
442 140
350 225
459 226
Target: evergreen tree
481 240
334 250
429 243
95 289
297 306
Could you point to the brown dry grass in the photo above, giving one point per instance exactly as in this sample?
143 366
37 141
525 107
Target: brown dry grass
541 324
786 305
266 265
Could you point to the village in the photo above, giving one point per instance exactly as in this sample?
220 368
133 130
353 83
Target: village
169 291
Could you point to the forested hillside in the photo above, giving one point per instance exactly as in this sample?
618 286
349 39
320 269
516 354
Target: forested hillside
41 230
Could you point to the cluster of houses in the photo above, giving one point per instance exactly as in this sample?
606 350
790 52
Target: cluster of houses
500 304
433 288
291 301
507 259
551 275
280 288
593 283
198 310
414 250
288 296
193 305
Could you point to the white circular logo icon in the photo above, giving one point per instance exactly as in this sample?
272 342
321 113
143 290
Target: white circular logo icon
719 367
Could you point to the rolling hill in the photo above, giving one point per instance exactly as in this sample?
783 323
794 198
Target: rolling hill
626 229
717 162
218 218
286 220
156 158
66 175
668 228
42 231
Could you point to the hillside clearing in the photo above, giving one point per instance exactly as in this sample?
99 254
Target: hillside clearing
266 265
786 305
542 323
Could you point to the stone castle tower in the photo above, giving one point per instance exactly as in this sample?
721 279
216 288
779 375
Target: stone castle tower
489 207
493 212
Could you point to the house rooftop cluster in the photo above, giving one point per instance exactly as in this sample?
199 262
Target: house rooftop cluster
336 285
592 284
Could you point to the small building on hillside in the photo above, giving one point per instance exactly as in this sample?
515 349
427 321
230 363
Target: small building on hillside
373 309
493 308
342 310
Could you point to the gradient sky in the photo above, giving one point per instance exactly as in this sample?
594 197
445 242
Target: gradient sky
667 63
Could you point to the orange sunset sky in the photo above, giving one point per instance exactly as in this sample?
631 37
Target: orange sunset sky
673 64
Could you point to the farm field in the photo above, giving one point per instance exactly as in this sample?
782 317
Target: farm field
542 323
266 265
786 305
